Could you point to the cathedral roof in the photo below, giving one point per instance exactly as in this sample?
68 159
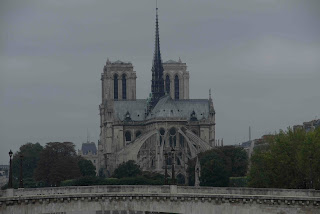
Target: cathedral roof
167 107
135 108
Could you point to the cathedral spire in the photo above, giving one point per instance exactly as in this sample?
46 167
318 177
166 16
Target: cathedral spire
157 87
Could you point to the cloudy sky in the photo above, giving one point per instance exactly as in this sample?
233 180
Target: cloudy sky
260 57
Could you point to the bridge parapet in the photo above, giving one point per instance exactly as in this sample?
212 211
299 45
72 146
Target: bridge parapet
141 189
169 199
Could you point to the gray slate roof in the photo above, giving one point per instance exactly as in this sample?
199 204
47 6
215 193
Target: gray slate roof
86 147
136 109
165 108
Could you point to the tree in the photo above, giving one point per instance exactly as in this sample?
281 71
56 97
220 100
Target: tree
291 160
58 162
101 174
31 155
86 167
239 160
218 164
127 169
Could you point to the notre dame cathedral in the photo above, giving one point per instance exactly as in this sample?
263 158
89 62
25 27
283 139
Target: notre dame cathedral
168 123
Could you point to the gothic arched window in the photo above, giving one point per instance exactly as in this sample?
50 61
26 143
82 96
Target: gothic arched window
115 87
124 87
178 162
181 139
176 87
167 84
128 136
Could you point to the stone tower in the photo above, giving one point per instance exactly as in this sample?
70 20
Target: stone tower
118 81
176 79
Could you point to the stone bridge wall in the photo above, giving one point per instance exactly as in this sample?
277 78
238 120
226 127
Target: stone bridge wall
166 199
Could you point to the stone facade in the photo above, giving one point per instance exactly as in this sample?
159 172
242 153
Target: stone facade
121 74
177 123
174 71
167 124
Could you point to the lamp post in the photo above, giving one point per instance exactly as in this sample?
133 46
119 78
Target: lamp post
10 172
165 169
173 176
21 174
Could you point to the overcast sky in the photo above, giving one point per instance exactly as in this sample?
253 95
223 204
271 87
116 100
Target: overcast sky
260 57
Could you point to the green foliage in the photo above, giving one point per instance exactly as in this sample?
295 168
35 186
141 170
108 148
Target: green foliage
101 174
86 167
127 173
215 168
58 162
218 164
127 169
31 155
238 181
152 175
83 181
90 181
291 160
239 160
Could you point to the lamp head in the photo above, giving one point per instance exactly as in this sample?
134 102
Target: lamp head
10 153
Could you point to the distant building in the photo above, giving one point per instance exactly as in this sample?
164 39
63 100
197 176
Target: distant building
89 152
262 142
4 174
308 126
249 145
4 167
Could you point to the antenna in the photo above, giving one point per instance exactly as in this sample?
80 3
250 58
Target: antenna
157 4
210 93
249 133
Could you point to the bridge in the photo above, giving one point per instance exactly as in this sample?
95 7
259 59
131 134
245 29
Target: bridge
158 199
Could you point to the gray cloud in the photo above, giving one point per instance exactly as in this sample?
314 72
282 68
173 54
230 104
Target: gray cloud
260 57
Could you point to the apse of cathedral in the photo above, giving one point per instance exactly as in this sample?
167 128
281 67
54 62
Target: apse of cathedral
164 130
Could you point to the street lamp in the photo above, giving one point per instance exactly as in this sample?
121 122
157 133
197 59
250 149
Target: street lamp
165 169
10 173
173 176
21 174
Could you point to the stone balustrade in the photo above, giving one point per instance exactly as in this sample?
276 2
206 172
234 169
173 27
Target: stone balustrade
179 197
141 189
